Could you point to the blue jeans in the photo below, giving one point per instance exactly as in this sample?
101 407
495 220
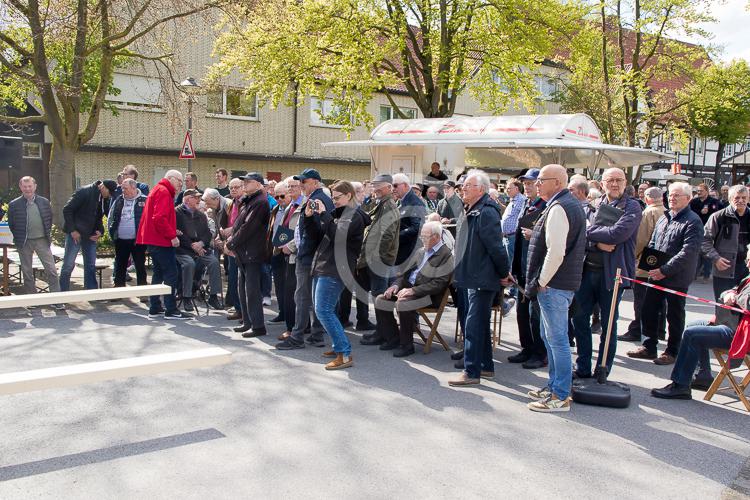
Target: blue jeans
265 280
232 297
165 271
326 292
477 336
593 290
553 306
696 341
88 248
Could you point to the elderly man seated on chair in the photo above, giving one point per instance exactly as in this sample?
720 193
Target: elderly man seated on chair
701 336
422 285
195 253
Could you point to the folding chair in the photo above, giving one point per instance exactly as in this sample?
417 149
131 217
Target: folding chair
433 325
497 327
722 356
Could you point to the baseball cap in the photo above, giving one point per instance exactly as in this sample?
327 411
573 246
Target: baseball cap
253 176
531 175
190 192
449 183
308 173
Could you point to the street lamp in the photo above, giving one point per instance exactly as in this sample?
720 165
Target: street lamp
190 87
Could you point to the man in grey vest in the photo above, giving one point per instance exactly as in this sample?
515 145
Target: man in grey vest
554 271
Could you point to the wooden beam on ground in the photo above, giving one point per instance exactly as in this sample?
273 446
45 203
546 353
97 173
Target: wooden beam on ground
87 373
46 299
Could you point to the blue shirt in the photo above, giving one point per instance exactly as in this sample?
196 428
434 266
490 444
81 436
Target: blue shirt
429 253
513 213
271 201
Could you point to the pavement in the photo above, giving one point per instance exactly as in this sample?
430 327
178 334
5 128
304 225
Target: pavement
275 424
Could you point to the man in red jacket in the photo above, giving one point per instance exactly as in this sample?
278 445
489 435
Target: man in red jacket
158 230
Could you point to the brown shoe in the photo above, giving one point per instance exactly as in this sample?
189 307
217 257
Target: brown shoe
463 380
339 363
329 354
664 359
642 353
234 316
487 375
284 336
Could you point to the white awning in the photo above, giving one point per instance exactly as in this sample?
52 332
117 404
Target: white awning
573 139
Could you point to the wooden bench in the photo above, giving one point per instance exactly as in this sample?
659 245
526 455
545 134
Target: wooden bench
87 373
46 299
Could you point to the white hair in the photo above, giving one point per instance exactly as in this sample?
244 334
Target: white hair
736 189
236 181
482 179
611 171
434 227
130 182
357 185
210 193
594 194
173 173
281 185
686 188
653 193
400 178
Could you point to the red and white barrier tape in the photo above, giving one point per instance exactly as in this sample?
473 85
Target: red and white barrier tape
675 292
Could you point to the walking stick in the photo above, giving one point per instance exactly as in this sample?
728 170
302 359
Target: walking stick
602 377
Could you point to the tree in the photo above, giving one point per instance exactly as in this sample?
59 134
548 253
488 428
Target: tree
719 106
623 67
431 50
61 55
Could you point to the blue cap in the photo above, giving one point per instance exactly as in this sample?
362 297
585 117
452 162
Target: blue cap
253 176
531 175
308 173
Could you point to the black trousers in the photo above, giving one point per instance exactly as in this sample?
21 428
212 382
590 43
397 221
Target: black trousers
251 300
344 308
124 249
407 318
278 272
290 285
639 293
653 305
528 318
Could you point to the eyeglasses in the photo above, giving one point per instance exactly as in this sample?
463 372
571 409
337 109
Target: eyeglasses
336 198
280 196
614 181
542 179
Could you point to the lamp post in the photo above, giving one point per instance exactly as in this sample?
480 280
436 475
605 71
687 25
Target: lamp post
190 87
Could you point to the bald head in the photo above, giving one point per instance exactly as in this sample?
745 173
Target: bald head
552 179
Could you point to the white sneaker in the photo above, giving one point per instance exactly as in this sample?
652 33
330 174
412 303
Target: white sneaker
550 405
266 301
540 394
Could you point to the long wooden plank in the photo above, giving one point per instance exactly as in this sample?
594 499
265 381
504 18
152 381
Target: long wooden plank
44 299
87 373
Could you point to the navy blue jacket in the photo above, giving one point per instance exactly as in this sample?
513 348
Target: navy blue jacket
412 213
308 243
623 235
480 253
115 212
681 237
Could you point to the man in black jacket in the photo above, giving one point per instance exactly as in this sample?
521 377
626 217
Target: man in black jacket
246 244
195 252
83 226
30 222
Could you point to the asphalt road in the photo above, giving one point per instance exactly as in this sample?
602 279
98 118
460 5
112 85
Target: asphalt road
277 425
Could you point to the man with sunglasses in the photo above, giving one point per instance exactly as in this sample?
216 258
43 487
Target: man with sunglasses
278 263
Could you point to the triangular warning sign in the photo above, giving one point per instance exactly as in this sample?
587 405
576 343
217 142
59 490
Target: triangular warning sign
187 152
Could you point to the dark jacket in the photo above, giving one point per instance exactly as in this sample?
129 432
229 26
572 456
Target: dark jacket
17 222
732 318
680 237
623 234
433 278
308 244
521 244
249 230
721 239
84 210
412 213
115 212
381 236
711 205
482 260
194 228
343 228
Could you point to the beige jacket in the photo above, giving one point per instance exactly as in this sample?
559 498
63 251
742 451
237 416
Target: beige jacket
651 214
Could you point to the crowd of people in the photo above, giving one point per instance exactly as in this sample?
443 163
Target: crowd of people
550 246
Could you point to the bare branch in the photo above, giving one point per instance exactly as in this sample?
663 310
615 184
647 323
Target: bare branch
22 120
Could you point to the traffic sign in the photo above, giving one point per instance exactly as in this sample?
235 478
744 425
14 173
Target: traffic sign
187 152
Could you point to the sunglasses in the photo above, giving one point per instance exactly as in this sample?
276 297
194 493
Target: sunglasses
280 196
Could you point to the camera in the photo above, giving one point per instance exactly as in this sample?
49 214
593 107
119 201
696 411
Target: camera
313 205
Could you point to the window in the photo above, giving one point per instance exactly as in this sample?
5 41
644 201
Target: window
729 150
136 91
698 146
32 150
232 102
547 87
499 81
323 112
387 113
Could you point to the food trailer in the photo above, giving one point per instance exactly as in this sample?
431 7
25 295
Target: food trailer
498 144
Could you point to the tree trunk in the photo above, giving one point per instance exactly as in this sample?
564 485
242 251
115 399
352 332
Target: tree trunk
717 172
62 169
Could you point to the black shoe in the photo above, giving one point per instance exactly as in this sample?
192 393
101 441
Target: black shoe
459 364
214 303
534 363
389 346
457 355
316 341
520 357
402 352
256 332
578 375
629 337
347 324
187 305
289 344
365 326
596 327
277 319
242 328
153 313
177 314
701 383
374 340
672 391
235 316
